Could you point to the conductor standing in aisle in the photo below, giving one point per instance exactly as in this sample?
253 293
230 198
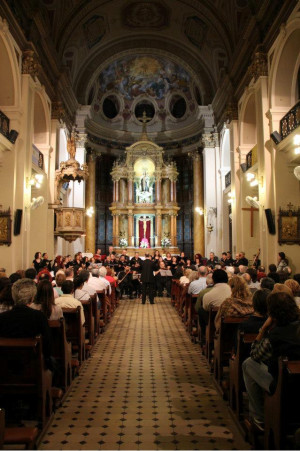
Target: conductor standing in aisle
147 279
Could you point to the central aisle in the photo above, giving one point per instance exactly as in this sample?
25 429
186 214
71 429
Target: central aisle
146 386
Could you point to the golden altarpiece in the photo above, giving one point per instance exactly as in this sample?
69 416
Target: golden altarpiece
144 207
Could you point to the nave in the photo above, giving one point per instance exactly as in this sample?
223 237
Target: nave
145 386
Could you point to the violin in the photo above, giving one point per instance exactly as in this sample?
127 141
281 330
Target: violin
256 258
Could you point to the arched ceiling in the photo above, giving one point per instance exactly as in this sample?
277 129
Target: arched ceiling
199 35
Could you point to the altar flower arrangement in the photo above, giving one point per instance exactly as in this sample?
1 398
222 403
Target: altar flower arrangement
144 243
166 242
123 242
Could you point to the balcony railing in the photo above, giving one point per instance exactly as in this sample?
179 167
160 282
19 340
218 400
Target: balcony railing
228 179
290 121
251 157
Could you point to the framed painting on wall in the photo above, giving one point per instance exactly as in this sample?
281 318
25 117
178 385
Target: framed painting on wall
289 226
5 228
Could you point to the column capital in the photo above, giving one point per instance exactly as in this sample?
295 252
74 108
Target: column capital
196 155
30 63
259 65
210 139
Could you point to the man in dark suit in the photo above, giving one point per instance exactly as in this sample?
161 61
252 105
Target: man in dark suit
147 279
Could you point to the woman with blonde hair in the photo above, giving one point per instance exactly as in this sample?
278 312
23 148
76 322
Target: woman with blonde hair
280 287
239 303
185 278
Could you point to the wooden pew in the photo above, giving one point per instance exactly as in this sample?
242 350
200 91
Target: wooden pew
192 316
23 375
236 381
282 413
62 352
103 309
75 331
89 326
96 314
210 333
224 343
26 436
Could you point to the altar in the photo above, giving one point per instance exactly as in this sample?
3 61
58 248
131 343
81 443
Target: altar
144 207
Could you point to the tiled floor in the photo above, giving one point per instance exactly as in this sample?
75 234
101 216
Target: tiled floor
146 386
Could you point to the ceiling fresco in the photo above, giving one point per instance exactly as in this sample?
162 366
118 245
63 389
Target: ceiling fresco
153 76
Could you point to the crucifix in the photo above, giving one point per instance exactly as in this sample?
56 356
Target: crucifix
144 119
251 217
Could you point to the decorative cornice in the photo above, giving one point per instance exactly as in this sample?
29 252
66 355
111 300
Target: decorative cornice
30 63
259 66
231 111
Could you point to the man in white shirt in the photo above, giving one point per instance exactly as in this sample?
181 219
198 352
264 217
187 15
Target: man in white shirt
214 298
98 283
198 285
67 300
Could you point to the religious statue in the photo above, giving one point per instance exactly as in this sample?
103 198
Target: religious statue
144 189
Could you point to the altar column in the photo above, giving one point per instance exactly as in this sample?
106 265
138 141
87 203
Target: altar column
173 230
90 201
117 231
130 190
158 188
158 229
130 230
198 202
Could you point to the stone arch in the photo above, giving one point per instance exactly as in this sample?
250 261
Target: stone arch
248 135
10 72
225 150
285 66
41 121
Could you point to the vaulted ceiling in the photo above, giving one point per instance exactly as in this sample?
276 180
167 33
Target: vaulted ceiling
212 40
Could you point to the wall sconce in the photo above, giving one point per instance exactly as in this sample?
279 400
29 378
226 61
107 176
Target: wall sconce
230 197
35 180
90 212
199 210
254 180
211 211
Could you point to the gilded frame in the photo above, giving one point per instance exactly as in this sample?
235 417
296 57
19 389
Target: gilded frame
5 228
289 226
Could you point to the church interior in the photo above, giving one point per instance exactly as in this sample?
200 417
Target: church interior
168 126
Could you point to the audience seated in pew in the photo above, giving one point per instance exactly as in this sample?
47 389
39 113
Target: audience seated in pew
67 300
295 287
209 285
79 293
220 291
44 301
259 316
239 304
279 336
24 322
199 284
6 300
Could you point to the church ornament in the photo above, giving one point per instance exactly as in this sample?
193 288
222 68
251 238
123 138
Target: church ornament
259 66
30 63
289 225
144 210
70 223
5 227
145 14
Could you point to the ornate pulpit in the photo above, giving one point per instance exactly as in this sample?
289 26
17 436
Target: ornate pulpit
144 207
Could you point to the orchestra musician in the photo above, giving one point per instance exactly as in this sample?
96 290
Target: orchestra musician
125 282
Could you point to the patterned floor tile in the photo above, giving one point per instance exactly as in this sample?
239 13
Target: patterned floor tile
145 386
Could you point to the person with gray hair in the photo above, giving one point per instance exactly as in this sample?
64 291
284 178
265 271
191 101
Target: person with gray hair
200 284
22 321
102 274
98 283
